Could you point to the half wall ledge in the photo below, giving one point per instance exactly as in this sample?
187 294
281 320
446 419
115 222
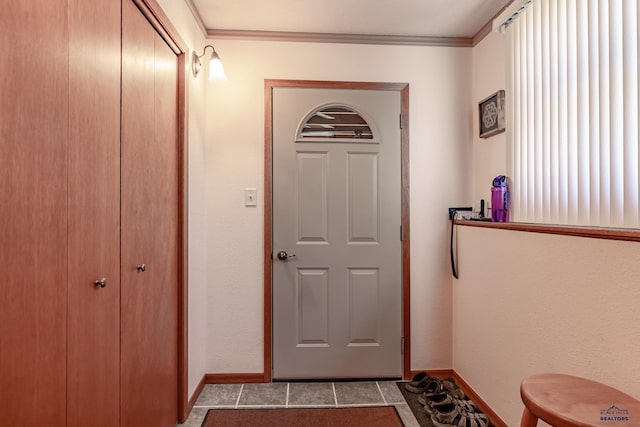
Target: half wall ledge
624 234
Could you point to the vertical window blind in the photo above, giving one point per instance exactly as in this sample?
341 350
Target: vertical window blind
573 112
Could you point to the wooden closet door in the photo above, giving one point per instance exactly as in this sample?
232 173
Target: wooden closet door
94 213
149 225
34 87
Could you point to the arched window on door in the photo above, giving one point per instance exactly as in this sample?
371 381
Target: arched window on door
336 123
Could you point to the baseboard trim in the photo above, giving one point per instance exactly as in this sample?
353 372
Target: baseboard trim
437 373
484 407
468 390
195 395
235 378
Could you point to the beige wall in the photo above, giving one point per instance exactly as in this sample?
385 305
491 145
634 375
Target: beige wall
489 154
440 87
528 303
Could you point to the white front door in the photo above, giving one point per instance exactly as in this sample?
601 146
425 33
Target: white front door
337 304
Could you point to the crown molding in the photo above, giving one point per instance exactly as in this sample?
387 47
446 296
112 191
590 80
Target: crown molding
197 17
488 27
482 33
377 39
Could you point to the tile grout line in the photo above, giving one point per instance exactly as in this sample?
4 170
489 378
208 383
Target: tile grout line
360 405
286 402
335 397
266 406
320 405
382 394
214 406
239 394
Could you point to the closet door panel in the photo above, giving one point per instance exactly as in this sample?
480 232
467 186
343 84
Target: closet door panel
33 191
149 225
94 213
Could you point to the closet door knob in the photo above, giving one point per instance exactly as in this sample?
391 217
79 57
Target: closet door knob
102 282
142 267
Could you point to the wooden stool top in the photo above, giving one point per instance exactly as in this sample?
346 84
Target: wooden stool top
568 401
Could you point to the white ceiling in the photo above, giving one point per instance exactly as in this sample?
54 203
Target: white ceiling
417 18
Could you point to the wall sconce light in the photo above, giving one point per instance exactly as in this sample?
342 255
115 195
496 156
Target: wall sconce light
216 70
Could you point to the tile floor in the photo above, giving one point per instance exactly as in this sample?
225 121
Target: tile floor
299 395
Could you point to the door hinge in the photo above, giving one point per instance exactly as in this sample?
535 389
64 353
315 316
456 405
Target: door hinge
401 121
402 233
402 345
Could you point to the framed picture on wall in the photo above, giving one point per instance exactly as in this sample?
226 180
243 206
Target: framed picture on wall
491 110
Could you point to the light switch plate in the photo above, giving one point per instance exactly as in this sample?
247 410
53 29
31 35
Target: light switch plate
250 197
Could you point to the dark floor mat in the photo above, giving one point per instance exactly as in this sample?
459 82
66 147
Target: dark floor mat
424 419
380 416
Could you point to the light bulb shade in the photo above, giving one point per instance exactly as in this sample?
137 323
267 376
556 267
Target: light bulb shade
216 69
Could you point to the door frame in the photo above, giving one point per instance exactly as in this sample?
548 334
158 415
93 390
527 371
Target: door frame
160 22
403 89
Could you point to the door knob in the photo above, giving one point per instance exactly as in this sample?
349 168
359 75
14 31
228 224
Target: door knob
142 267
102 282
283 255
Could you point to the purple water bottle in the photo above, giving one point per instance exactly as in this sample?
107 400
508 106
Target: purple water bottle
500 200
